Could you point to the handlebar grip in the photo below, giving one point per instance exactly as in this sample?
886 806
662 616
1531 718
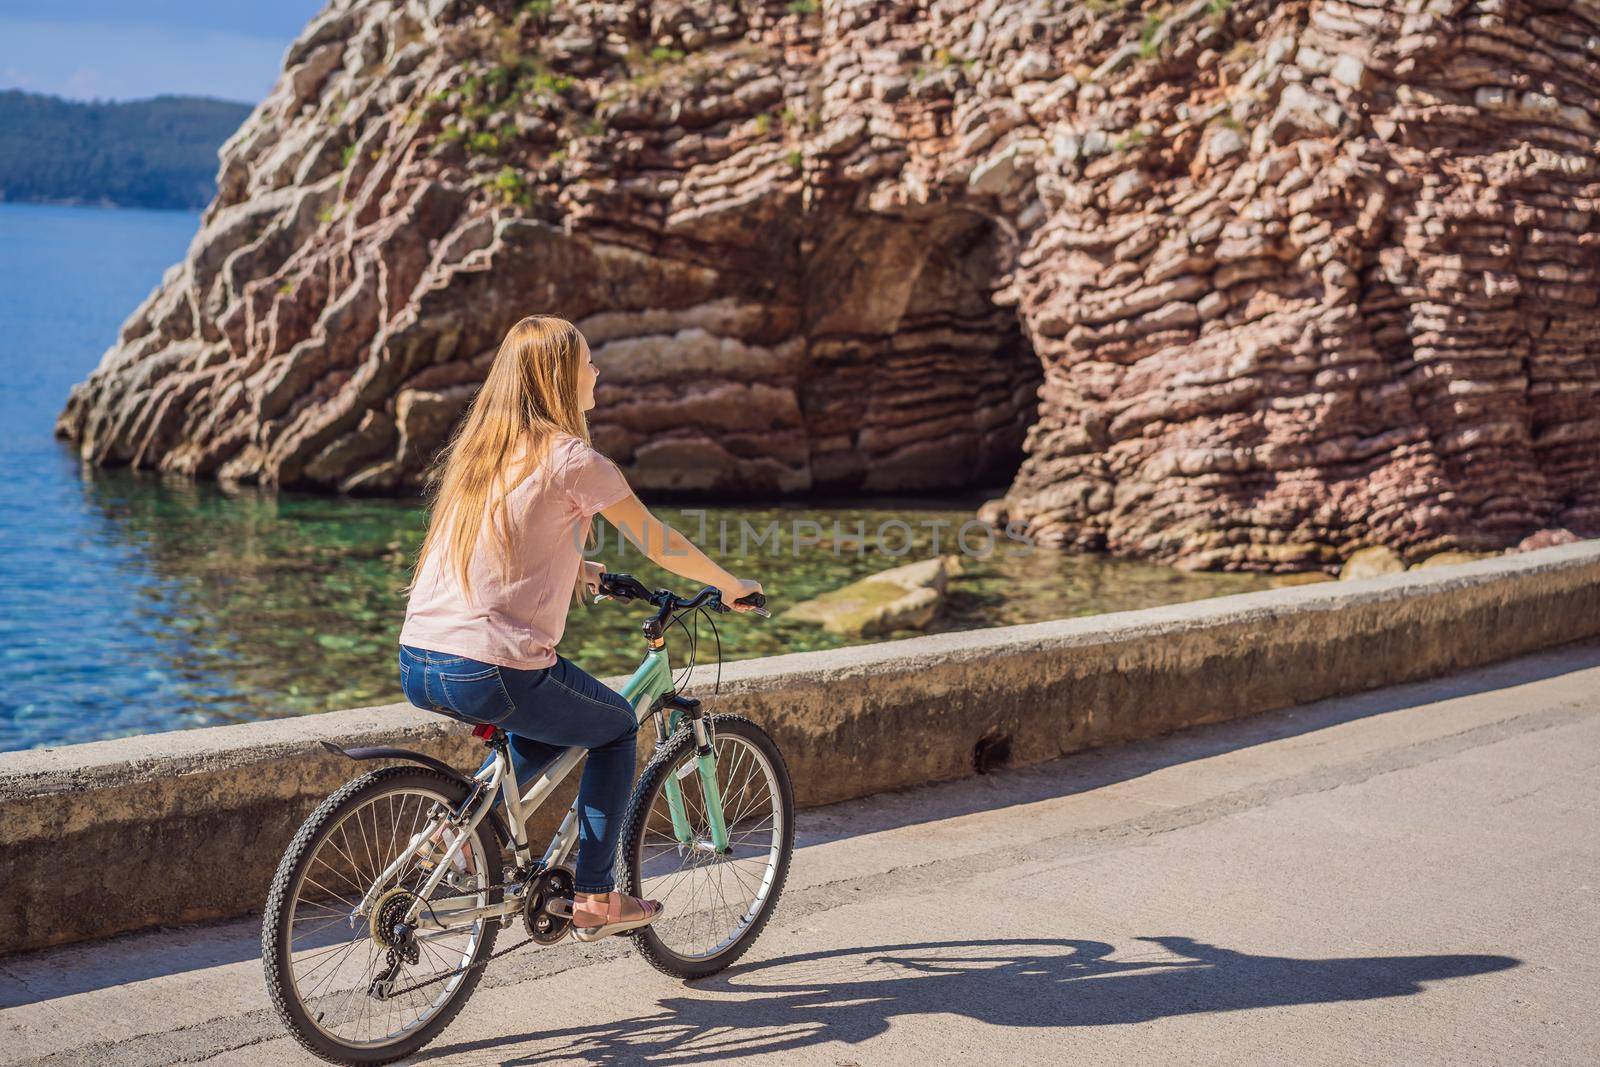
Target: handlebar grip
623 586
753 600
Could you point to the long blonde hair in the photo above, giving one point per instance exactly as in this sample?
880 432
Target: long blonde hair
530 393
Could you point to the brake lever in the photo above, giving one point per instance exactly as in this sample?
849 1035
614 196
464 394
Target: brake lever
754 609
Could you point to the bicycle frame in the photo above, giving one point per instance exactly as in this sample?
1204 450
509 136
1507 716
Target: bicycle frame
648 690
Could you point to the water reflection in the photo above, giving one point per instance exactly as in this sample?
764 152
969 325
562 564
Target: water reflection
189 605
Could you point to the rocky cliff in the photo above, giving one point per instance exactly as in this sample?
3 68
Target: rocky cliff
1240 284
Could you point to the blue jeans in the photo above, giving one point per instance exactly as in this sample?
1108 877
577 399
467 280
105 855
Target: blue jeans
544 711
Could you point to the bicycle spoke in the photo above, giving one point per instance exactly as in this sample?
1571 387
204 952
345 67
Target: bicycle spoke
348 849
366 845
711 898
330 892
333 980
353 883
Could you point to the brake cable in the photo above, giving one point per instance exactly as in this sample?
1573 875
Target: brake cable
694 648
694 641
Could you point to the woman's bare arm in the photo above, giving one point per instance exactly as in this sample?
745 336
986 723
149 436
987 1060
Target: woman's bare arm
668 548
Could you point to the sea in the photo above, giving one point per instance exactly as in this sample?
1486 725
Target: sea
133 602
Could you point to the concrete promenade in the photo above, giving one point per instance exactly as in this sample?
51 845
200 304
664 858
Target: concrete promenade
1410 875
188 826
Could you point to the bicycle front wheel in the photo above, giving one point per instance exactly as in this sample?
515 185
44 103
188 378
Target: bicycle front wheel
338 977
715 903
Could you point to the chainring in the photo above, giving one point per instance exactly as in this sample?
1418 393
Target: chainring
544 926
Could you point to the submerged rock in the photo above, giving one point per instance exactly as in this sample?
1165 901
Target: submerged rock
1280 581
1445 559
1545 539
901 598
1370 562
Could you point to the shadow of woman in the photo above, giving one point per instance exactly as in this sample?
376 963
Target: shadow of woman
851 995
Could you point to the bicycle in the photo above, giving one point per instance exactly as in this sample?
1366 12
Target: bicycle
385 907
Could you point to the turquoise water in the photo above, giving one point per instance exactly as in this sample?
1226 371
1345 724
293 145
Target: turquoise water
131 603
81 636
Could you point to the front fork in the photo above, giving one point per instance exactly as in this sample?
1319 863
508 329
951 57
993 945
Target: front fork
705 761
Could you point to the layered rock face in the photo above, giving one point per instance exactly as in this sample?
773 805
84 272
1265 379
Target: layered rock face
1296 277
1341 293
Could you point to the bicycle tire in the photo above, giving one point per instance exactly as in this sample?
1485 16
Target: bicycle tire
648 940
275 924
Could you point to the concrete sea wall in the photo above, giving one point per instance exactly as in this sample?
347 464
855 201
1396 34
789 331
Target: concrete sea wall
176 827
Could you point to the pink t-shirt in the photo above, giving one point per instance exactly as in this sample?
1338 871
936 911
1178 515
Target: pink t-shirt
517 623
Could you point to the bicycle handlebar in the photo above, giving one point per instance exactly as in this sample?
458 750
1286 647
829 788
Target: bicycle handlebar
627 587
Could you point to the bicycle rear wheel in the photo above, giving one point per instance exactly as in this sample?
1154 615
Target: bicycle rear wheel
329 970
715 903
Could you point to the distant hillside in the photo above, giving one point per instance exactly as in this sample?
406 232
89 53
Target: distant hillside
160 152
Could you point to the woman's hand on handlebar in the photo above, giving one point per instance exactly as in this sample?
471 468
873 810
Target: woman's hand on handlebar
744 588
588 580
627 587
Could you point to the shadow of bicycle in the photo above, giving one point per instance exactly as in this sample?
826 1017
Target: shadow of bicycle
852 995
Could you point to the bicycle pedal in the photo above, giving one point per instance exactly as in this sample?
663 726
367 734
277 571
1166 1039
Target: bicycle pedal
560 907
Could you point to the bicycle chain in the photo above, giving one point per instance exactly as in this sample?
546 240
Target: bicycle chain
461 970
471 966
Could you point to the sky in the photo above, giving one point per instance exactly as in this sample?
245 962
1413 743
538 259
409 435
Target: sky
136 49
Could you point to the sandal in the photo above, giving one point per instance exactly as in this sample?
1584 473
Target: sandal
607 918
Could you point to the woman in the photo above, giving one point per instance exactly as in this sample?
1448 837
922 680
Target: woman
517 487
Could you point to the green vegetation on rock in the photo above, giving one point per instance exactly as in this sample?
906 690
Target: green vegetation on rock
520 83
1149 41
1132 139
509 184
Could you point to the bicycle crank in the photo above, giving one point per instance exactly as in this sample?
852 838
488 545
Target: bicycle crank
547 914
